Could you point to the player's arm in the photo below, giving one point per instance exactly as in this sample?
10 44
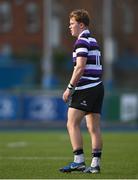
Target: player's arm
78 70
77 73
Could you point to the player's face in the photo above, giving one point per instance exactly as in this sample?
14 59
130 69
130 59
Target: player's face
74 27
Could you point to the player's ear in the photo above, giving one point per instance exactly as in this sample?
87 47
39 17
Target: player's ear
81 25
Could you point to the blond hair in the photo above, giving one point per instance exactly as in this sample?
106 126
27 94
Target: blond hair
81 16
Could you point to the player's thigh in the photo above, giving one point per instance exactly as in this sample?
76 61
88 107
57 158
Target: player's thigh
75 115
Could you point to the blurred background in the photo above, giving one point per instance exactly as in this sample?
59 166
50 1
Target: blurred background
36 63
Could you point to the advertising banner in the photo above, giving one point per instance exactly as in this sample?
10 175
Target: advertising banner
129 107
9 107
42 107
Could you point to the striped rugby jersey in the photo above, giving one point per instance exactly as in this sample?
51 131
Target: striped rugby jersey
86 46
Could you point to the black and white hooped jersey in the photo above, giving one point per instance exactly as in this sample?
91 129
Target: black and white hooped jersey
86 46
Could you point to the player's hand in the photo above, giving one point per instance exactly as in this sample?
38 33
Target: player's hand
66 95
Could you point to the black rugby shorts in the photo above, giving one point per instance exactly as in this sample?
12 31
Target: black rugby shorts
88 100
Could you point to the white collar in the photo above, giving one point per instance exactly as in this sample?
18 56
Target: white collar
86 31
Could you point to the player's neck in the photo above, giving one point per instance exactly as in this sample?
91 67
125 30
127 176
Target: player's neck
81 31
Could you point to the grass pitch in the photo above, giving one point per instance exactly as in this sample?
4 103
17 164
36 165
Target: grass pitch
39 155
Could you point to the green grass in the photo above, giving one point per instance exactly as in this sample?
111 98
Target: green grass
39 155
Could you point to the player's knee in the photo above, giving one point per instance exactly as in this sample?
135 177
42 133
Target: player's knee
92 129
72 125
69 125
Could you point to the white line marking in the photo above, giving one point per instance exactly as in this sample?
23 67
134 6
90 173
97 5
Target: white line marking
17 144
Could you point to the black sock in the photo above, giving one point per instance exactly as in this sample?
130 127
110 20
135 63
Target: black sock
97 153
78 152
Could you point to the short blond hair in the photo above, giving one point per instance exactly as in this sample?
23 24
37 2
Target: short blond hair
81 16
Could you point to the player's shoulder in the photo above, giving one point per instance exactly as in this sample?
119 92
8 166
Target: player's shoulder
86 39
82 41
92 39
